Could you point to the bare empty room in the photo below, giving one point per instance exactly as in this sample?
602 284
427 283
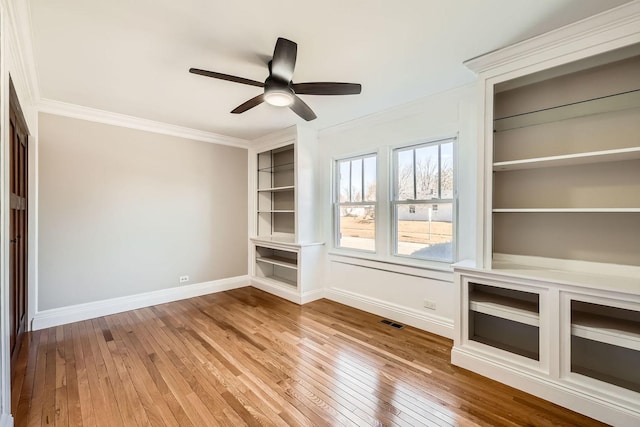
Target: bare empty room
362 213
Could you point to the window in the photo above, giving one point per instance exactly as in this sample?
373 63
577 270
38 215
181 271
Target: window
423 201
355 204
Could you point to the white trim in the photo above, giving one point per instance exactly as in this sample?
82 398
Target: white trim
557 42
311 296
6 420
435 324
101 116
75 313
19 21
609 411
279 290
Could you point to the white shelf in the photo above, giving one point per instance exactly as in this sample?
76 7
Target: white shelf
277 211
617 155
609 330
605 104
568 210
279 261
277 189
504 307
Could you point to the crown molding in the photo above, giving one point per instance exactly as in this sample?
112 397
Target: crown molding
116 119
18 21
619 26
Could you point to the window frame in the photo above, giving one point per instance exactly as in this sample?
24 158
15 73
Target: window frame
394 191
337 204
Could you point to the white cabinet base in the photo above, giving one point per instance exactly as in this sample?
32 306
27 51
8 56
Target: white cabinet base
610 411
597 378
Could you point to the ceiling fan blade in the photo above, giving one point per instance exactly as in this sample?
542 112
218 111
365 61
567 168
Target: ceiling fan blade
284 59
226 77
249 104
302 109
327 88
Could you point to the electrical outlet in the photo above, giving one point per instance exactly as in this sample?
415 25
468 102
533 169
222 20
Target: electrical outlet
184 279
431 305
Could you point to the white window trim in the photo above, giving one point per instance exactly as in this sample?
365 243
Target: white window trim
337 204
393 202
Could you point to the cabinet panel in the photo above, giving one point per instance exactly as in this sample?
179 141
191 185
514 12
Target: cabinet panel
596 237
504 318
605 185
605 344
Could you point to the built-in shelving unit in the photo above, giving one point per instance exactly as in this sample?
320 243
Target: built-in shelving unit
284 254
559 218
530 193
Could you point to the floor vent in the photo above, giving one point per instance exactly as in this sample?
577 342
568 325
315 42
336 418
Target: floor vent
392 324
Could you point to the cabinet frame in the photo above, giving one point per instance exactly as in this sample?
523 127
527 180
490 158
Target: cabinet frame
270 199
542 365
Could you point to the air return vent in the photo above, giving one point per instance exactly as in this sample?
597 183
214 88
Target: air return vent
392 324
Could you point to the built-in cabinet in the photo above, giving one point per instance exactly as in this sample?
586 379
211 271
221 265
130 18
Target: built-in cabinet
551 304
285 254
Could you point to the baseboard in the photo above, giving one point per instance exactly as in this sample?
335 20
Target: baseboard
6 420
429 322
75 313
276 289
545 388
312 296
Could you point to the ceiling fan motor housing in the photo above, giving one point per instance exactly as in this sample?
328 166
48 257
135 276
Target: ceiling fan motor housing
278 92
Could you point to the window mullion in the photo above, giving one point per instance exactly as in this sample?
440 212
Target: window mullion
415 192
439 171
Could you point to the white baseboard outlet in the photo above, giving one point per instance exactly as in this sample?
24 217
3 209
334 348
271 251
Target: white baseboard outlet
429 322
76 313
588 404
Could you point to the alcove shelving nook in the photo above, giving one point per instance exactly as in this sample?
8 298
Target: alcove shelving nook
551 305
285 257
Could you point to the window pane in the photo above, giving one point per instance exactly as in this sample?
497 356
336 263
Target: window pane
446 170
343 169
404 180
425 231
356 180
357 227
370 179
427 175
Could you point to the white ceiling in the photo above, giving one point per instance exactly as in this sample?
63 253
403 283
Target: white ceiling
132 57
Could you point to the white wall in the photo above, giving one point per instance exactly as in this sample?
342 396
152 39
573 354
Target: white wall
125 211
383 284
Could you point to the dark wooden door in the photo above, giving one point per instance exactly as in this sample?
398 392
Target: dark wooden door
18 170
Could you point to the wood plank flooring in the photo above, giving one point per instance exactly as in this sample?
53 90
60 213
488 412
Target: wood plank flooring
245 357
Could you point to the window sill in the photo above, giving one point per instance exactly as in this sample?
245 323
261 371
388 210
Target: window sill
427 269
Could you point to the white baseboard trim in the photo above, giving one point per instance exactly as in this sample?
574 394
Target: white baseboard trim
312 296
75 313
554 391
429 322
276 289
6 420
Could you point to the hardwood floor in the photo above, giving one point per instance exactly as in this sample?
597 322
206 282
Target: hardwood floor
245 357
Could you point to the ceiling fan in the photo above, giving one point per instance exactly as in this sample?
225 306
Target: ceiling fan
279 89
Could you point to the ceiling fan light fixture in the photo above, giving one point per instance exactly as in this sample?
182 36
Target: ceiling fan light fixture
279 98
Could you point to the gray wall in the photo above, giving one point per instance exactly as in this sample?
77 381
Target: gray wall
123 211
